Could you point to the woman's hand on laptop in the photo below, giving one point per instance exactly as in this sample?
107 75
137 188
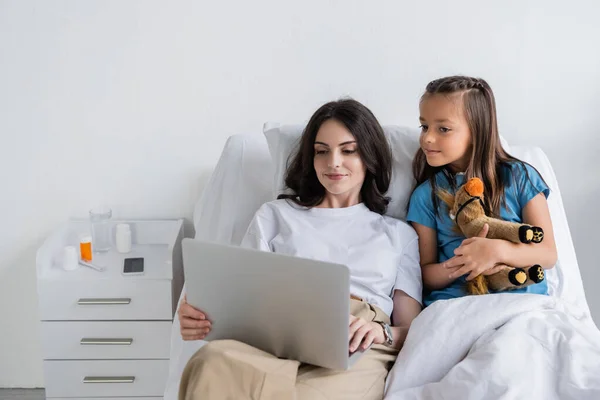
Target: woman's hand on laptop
193 323
364 333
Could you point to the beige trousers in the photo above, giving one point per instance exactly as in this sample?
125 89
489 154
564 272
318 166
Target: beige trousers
227 369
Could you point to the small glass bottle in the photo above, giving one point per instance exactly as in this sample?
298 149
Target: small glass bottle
100 220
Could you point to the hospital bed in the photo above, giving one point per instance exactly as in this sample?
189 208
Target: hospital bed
454 347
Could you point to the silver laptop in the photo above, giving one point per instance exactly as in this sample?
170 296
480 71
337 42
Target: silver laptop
291 307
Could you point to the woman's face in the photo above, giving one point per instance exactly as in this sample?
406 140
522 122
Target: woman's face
337 163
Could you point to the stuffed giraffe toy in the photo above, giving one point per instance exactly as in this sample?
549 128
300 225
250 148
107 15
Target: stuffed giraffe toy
466 209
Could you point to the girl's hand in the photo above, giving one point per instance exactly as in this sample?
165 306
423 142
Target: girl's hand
366 332
474 256
193 323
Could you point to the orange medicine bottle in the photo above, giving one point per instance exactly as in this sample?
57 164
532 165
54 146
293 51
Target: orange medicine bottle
85 247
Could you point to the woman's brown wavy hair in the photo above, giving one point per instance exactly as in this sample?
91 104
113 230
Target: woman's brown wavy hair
373 148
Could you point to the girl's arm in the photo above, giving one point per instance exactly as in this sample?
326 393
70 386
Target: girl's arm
535 213
405 311
478 255
435 276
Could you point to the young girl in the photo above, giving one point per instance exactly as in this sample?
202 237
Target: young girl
460 140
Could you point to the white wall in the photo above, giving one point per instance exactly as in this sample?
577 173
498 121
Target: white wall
130 102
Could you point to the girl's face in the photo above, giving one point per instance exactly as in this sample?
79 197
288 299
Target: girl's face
337 163
445 134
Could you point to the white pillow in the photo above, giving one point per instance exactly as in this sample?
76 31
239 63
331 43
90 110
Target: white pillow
283 139
404 141
240 183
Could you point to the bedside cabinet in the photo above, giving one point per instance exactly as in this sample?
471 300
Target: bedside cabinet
106 335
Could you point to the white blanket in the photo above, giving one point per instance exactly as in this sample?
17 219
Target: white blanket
502 346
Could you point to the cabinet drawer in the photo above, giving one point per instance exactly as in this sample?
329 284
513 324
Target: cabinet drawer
100 378
72 340
105 300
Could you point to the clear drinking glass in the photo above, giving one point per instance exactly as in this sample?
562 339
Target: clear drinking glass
100 218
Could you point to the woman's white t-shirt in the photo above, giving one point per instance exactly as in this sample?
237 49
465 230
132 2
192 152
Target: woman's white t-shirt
382 253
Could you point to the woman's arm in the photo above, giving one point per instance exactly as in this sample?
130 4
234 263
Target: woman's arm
435 276
405 311
405 306
364 333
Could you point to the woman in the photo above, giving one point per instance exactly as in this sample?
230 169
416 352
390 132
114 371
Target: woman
338 179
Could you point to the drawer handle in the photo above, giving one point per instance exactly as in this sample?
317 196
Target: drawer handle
109 379
100 341
103 302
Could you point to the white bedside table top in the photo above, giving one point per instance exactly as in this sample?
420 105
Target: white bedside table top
152 240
